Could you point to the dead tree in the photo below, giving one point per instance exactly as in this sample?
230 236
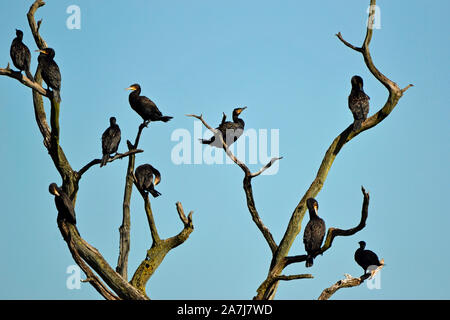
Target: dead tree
280 251
111 283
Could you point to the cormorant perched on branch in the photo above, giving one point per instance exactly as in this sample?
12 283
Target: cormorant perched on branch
367 258
50 70
110 140
230 131
144 179
63 204
314 232
20 54
145 107
358 102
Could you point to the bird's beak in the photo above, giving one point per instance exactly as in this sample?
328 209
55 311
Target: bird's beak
157 180
56 192
315 208
41 51
130 88
241 109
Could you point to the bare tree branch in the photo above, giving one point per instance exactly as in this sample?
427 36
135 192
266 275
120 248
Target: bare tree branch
272 281
91 277
175 241
293 277
158 251
41 44
111 159
348 282
246 184
267 166
125 228
335 232
95 260
407 87
339 35
151 219
23 79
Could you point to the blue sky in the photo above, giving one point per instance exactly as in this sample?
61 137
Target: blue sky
281 60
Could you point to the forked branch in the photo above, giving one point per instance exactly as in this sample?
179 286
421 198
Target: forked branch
247 185
348 282
336 232
159 249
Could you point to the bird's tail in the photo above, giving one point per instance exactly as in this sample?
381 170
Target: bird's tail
104 160
165 118
207 141
309 261
29 75
56 95
357 124
154 193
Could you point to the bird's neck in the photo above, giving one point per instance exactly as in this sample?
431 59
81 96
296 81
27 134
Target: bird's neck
357 89
134 94
313 215
236 119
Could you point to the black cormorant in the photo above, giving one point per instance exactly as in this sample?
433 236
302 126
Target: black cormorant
63 204
144 179
145 107
314 232
358 102
50 70
367 258
230 130
110 140
20 54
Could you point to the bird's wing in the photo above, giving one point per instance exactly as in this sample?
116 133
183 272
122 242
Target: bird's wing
54 74
110 140
150 105
314 234
371 258
65 206
359 104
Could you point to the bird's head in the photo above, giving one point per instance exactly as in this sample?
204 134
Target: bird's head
362 244
48 52
19 34
134 87
53 189
312 205
157 177
357 82
238 111
112 121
